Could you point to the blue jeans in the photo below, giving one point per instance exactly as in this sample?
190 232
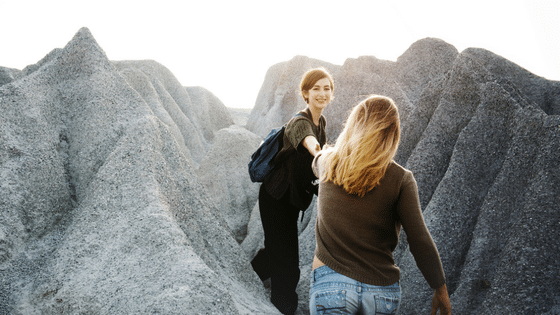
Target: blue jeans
333 293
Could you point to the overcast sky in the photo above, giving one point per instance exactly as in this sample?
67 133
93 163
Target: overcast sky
227 46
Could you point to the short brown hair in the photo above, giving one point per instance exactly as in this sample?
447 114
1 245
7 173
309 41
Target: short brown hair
311 77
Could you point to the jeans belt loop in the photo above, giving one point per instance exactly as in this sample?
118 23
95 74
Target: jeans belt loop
313 275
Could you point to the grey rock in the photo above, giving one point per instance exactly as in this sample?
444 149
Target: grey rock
355 81
122 191
102 210
537 90
481 135
162 105
240 115
430 158
193 121
48 58
484 214
211 112
423 62
224 176
8 75
254 241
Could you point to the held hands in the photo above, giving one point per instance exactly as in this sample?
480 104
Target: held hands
441 302
312 145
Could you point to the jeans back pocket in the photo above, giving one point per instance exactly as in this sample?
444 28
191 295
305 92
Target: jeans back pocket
327 301
386 304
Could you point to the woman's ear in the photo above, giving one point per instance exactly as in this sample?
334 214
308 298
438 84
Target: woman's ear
305 96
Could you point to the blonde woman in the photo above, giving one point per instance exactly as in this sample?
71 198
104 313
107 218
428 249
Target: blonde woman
364 199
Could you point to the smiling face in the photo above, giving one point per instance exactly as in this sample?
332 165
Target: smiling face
320 94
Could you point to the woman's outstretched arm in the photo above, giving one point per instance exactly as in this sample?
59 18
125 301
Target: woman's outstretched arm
312 145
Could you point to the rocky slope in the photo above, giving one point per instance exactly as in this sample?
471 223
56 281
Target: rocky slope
122 191
102 208
482 136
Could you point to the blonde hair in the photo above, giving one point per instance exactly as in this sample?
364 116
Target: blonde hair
366 146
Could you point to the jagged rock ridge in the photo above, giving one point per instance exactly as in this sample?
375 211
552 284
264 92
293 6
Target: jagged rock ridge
102 209
482 136
123 192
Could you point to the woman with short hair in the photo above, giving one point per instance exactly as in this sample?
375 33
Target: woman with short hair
289 189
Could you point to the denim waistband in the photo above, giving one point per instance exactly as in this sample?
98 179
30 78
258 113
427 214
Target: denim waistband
349 282
322 271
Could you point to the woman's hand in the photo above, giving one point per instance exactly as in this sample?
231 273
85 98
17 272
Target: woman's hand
441 302
312 145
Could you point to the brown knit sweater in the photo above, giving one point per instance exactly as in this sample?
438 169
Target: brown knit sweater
356 236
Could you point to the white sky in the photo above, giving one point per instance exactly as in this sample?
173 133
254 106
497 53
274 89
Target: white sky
227 46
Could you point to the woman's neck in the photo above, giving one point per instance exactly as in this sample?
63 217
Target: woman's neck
315 114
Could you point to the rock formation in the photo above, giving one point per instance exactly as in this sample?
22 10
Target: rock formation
123 192
102 209
482 136
228 160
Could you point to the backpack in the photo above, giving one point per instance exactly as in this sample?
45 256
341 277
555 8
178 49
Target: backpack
262 160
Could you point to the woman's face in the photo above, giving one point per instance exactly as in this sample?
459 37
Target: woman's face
320 95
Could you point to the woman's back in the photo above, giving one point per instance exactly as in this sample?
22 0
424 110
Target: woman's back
364 200
356 236
359 233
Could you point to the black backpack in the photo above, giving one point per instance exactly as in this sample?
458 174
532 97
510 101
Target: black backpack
262 161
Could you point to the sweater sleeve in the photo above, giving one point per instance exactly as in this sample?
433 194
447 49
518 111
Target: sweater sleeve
419 239
315 165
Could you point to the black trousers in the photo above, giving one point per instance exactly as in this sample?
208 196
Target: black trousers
280 258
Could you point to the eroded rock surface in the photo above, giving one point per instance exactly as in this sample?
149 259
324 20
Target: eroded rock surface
482 136
102 209
122 191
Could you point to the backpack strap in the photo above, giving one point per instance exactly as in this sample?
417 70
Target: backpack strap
307 115
304 113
